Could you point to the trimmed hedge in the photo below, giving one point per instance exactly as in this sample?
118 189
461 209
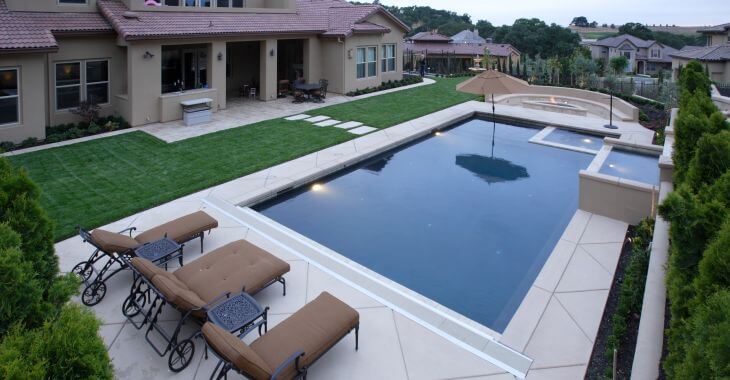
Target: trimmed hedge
698 273
406 81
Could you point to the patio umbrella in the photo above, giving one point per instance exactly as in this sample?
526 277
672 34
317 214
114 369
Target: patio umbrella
493 82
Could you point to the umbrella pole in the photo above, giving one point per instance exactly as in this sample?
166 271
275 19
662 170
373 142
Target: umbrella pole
494 124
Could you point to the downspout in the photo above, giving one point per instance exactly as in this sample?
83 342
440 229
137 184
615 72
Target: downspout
344 63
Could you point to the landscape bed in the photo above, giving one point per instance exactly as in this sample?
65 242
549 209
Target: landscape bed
466 217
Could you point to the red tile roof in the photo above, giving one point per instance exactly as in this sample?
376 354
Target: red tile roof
429 37
333 18
21 31
499 50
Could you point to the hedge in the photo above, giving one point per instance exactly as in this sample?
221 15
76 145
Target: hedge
698 272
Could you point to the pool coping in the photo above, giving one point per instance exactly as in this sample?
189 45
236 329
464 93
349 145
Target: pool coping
281 178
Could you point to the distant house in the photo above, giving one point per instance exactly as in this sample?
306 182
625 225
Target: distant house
456 53
715 56
645 57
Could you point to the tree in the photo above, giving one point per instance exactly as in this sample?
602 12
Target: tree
485 28
534 37
511 66
582 68
637 30
619 64
580 21
692 78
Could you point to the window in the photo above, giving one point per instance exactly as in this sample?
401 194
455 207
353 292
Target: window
388 58
9 96
366 62
184 66
655 53
73 2
172 3
80 80
68 85
229 3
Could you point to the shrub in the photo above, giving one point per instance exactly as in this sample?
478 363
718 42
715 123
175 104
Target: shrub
714 268
693 78
711 160
66 348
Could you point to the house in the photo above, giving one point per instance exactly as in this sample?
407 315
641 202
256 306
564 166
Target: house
445 55
645 57
715 56
133 57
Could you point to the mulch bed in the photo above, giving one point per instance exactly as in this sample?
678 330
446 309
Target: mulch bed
600 366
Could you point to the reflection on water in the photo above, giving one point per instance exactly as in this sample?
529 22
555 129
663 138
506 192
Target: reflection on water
379 165
491 169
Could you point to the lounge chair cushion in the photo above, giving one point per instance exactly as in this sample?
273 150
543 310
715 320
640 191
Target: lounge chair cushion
176 293
181 229
112 242
313 329
235 267
234 351
147 268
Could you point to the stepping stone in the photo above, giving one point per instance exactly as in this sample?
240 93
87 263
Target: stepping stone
348 125
362 130
297 117
317 119
327 123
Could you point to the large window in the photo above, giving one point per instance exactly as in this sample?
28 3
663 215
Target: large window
72 1
655 53
367 62
230 3
388 58
9 96
76 81
184 67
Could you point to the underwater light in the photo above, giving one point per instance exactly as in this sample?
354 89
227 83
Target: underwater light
317 187
587 141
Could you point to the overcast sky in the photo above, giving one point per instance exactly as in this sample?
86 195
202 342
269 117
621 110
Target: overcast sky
499 12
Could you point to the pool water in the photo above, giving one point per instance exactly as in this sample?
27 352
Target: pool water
630 165
581 140
453 217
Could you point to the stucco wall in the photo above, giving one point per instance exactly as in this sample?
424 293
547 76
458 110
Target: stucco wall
719 71
88 48
333 64
32 97
50 6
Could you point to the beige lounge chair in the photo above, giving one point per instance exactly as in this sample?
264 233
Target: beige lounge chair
290 348
195 288
113 245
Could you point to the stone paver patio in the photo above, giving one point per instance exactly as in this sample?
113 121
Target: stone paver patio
555 325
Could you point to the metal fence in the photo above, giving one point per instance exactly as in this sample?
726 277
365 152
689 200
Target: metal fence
724 88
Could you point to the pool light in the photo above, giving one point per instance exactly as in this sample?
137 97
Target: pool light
438 133
587 141
317 187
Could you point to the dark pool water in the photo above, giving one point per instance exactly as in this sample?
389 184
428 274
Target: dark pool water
450 217
634 166
581 140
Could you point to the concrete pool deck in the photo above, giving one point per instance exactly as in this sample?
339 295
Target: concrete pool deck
554 327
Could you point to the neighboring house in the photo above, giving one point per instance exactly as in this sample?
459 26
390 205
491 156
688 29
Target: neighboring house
455 54
715 56
133 58
645 57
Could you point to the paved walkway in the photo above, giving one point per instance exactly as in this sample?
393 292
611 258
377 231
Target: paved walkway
553 326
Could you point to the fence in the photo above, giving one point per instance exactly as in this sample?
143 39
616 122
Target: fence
724 88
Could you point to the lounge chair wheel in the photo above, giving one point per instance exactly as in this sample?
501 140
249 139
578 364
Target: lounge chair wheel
93 294
129 308
181 355
83 270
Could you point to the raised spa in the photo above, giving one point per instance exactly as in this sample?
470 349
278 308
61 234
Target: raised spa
466 218
632 165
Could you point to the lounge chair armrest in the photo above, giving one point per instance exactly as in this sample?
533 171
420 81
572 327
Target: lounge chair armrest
130 230
294 358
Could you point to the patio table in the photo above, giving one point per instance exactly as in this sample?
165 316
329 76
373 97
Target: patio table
161 251
240 313
307 88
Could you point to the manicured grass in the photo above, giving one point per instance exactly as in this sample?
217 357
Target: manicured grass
100 181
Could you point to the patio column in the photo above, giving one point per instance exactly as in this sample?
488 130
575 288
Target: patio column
144 81
312 60
217 74
267 76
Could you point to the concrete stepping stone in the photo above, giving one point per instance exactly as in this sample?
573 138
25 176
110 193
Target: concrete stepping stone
328 123
297 117
317 119
349 125
361 130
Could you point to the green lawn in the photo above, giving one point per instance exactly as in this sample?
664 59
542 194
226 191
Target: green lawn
100 181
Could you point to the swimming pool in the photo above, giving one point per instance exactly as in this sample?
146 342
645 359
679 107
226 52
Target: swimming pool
453 217
632 165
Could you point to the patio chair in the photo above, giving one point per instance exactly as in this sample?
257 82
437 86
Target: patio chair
113 246
290 348
324 83
194 289
284 88
299 96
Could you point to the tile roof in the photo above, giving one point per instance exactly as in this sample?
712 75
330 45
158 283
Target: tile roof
429 36
708 53
468 37
715 29
334 18
618 40
499 50
21 31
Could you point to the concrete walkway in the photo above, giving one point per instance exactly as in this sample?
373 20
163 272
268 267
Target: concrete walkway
554 327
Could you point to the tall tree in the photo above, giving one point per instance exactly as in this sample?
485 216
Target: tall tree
637 30
485 28
580 21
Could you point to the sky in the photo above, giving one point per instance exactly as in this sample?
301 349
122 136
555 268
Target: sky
500 12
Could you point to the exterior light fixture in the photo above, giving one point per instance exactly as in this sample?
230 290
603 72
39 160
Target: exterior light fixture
148 55
220 56
349 53
272 52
